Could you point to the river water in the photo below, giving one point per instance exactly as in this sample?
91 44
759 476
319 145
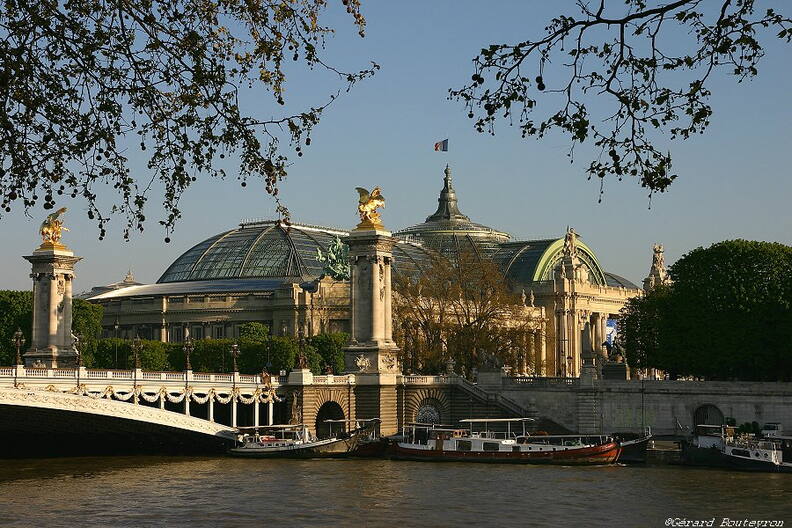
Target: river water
220 491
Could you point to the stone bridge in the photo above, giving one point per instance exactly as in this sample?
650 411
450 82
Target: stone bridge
47 411
69 410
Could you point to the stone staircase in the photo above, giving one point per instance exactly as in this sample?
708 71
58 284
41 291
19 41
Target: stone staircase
588 419
507 404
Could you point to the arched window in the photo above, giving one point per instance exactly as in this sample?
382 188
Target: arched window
429 412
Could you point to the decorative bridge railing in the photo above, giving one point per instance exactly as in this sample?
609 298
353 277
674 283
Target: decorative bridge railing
152 387
538 381
91 376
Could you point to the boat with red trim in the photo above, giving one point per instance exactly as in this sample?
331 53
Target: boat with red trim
432 443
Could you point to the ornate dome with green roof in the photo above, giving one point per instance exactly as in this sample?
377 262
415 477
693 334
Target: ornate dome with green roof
449 232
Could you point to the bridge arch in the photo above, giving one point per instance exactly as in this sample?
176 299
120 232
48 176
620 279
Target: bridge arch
708 414
46 422
329 410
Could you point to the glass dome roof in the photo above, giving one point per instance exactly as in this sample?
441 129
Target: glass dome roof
271 249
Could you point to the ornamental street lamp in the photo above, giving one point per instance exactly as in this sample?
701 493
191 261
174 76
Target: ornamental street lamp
115 335
234 356
137 346
188 350
19 341
76 340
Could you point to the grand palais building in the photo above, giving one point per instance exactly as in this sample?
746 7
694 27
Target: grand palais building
267 272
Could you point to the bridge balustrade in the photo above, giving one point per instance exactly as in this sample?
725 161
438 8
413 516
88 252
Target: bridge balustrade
152 387
540 381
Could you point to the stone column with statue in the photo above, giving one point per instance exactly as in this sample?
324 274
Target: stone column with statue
372 355
52 343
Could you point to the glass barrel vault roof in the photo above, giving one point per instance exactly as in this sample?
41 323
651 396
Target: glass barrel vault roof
270 249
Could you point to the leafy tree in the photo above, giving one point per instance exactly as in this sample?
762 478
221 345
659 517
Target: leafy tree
282 352
640 328
84 83
648 64
728 315
211 355
87 324
154 355
16 312
253 332
112 353
330 348
462 311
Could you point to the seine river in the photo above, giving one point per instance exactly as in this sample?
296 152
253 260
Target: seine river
159 491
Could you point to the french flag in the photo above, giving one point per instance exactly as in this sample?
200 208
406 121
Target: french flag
441 146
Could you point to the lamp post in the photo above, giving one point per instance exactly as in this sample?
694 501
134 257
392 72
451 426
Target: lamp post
188 350
77 338
137 346
234 356
19 341
115 336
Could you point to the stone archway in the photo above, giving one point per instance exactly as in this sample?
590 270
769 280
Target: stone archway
427 406
708 414
329 410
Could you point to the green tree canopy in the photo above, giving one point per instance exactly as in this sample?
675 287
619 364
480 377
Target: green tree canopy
330 348
16 312
87 324
253 332
728 315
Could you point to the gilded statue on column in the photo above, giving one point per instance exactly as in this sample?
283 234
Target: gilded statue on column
52 228
368 204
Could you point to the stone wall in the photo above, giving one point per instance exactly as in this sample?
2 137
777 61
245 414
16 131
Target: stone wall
668 407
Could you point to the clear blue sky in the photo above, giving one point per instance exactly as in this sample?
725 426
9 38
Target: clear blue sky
734 182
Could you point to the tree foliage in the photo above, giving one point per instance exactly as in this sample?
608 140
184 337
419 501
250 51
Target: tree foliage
84 83
330 349
639 328
462 311
728 315
253 332
647 64
16 312
87 325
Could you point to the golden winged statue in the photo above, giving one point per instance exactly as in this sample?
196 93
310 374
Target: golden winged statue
367 207
52 227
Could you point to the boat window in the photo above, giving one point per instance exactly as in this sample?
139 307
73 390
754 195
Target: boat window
463 445
516 449
491 446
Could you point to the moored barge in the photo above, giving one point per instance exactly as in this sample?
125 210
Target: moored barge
439 444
